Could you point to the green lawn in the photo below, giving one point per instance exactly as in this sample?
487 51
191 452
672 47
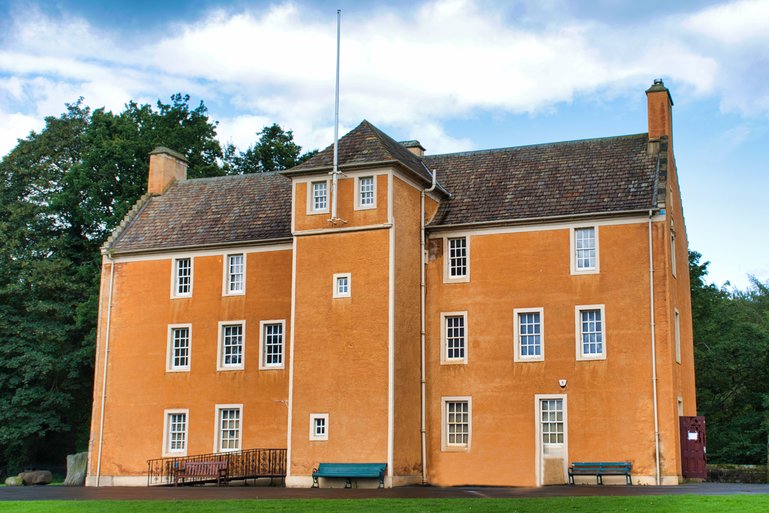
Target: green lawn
661 504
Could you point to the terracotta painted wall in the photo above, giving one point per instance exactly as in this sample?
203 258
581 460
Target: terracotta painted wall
407 441
138 386
340 349
609 402
345 204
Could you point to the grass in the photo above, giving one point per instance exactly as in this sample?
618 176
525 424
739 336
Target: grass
648 504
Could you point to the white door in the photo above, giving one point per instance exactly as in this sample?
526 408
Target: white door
552 439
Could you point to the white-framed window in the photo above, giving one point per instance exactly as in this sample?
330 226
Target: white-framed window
551 419
235 274
673 261
453 337
590 327
318 197
529 334
584 250
271 345
318 426
366 192
175 425
342 285
457 252
677 328
228 427
232 345
182 277
179 350
456 428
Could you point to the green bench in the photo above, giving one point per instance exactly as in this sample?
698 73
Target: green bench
600 469
349 471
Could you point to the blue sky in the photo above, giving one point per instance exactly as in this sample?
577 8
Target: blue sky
455 74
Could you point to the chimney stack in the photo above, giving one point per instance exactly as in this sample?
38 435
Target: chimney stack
660 110
166 167
414 147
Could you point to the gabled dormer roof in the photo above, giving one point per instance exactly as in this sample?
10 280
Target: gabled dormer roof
365 145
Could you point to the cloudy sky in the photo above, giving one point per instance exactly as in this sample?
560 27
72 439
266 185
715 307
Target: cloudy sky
455 74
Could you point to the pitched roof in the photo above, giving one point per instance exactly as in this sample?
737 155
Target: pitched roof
606 175
365 144
206 211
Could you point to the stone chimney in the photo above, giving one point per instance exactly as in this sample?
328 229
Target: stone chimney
660 110
166 167
414 147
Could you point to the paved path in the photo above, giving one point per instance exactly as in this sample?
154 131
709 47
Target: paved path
24 493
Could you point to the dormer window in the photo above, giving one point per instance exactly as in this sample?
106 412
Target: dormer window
319 196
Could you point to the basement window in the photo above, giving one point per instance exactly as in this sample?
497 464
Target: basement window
457 423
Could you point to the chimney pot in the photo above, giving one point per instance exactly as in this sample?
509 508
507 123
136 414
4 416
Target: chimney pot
414 147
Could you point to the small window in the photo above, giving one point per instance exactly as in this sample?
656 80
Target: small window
457 258
319 196
585 250
673 261
456 429
342 285
454 337
678 335
366 192
529 335
182 277
318 426
179 345
235 274
231 345
175 436
271 356
591 332
228 428
551 412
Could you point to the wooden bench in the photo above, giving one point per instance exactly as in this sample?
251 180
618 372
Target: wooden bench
349 471
600 469
203 469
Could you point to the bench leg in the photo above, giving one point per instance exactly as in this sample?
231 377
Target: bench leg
315 482
571 479
629 479
348 484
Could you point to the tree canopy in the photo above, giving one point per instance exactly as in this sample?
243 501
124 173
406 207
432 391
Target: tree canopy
731 350
62 191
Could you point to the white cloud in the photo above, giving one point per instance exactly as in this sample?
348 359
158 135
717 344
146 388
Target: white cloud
16 126
410 69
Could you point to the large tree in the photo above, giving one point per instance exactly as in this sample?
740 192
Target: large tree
731 349
62 191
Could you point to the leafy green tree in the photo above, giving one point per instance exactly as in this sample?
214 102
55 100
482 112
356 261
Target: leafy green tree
62 191
731 348
274 151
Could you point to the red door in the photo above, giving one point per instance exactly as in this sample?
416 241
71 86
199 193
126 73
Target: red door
693 461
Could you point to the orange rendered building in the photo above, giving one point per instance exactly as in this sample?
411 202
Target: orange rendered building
479 318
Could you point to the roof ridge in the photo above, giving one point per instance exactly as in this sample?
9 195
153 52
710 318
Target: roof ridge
554 143
206 179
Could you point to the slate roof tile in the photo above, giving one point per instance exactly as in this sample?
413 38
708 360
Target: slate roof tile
220 210
611 174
